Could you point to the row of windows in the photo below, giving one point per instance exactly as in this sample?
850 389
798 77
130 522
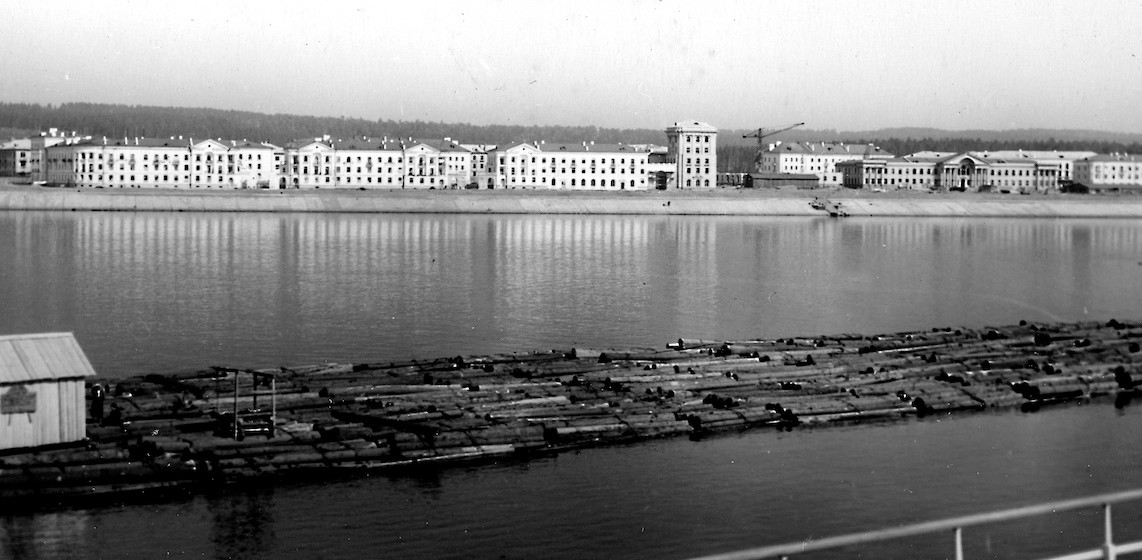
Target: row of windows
592 161
176 157
580 183
563 170
305 170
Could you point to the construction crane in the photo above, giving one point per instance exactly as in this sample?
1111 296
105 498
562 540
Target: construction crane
763 133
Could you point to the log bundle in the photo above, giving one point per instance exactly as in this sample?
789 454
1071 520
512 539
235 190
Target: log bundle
183 432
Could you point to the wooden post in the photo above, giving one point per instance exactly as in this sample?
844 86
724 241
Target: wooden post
235 404
273 403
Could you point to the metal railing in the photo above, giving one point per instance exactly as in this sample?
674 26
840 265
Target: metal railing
1107 549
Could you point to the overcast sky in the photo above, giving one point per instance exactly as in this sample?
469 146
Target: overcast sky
845 64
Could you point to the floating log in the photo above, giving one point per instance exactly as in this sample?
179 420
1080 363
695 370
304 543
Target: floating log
468 408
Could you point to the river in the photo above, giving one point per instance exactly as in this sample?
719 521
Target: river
159 292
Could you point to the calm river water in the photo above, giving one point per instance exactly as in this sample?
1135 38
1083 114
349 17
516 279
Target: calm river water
166 292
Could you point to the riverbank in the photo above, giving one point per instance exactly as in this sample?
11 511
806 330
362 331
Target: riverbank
720 202
191 432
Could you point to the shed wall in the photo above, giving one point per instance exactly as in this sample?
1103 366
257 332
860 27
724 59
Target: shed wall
59 417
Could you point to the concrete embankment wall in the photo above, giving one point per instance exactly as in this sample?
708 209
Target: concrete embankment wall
736 203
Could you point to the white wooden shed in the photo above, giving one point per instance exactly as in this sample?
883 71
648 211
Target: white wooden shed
42 396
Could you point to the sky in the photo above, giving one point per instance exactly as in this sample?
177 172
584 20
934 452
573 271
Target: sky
846 65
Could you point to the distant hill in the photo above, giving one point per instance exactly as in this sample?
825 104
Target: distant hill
132 120
735 154
734 137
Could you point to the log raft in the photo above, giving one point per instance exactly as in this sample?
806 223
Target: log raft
191 432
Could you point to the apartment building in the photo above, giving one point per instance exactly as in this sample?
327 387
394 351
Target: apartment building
584 166
694 146
162 163
15 156
815 158
1109 173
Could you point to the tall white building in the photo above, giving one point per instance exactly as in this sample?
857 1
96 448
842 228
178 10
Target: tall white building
1110 173
694 146
584 166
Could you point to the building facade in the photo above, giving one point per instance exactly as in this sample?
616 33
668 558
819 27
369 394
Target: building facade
383 163
816 158
1109 173
584 166
1063 161
694 146
968 171
15 157
161 163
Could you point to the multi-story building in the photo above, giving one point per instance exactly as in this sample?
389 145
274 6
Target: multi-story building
1109 173
815 158
37 154
939 172
372 163
694 146
584 166
481 176
162 163
455 162
375 163
127 162
15 155
365 163
1063 161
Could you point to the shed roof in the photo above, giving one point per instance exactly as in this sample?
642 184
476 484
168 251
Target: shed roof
39 357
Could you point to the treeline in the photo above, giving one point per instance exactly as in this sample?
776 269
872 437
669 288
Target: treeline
735 154
131 120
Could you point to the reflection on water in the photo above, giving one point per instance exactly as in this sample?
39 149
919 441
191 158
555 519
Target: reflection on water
670 498
158 292
154 292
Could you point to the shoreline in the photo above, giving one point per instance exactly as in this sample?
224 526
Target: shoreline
719 202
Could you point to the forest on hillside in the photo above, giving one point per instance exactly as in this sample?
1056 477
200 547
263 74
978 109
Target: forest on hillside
126 120
735 154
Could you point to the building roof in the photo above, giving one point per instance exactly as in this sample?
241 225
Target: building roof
443 145
17 144
1115 157
379 144
248 145
134 142
39 357
691 126
828 148
589 147
1038 154
930 154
